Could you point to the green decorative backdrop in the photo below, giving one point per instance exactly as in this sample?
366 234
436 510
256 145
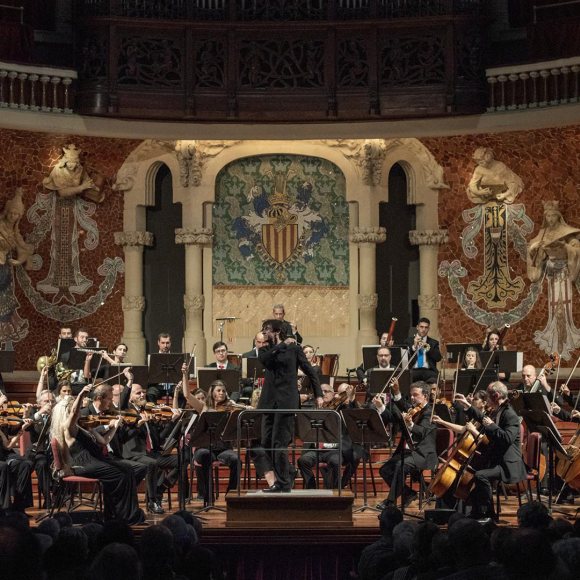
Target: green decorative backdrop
280 220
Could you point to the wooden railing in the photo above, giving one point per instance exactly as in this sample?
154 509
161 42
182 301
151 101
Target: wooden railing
280 61
541 84
36 88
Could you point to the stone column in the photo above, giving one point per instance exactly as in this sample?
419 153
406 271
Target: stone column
429 298
366 238
193 301
133 301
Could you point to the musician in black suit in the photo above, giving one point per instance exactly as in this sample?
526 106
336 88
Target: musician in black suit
281 358
423 436
289 328
259 342
142 443
502 456
220 351
424 364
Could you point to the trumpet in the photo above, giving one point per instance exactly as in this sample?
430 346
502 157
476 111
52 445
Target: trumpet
421 343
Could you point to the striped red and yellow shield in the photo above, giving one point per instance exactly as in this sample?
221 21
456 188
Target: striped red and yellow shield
280 243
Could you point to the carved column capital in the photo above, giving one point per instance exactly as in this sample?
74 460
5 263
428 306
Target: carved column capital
133 303
368 301
368 235
429 302
194 236
428 237
193 302
136 238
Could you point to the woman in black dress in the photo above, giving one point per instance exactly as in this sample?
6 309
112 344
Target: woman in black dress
83 453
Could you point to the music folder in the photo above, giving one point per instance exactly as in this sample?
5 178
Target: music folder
506 361
380 377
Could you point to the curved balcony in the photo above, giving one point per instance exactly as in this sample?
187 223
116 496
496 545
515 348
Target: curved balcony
293 60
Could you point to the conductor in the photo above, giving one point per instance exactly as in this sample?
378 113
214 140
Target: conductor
281 357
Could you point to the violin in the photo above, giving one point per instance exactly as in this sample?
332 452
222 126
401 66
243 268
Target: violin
10 421
228 405
337 401
159 412
92 421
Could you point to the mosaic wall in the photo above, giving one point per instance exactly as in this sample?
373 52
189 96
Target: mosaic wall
280 220
27 159
548 162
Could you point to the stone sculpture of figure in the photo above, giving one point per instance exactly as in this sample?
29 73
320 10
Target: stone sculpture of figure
555 253
492 180
70 181
14 251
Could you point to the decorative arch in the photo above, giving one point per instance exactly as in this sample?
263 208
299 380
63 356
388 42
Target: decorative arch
195 165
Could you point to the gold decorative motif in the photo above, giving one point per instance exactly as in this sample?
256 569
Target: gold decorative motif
194 236
428 237
133 303
368 235
135 238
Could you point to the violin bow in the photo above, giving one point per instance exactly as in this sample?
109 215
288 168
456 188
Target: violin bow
556 381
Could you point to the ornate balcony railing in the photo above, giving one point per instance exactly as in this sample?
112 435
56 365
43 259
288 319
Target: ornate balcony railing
274 60
276 10
36 88
529 86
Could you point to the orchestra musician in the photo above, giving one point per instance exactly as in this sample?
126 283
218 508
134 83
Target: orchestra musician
344 398
82 449
306 395
289 328
531 381
154 391
502 456
423 435
217 399
361 372
259 342
426 351
15 470
39 429
220 351
471 359
281 359
142 443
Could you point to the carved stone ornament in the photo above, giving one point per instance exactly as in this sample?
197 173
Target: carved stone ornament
147 150
197 236
192 155
193 302
432 171
368 301
368 235
133 303
429 301
428 237
136 238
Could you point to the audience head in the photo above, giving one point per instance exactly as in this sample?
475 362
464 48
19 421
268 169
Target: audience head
403 534
388 520
116 561
470 543
568 551
534 515
19 553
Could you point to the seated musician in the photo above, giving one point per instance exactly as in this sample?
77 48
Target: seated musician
306 394
259 341
81 453
471 359
423 435
478 400
493 342
142 443
361 372
39 452
383 364
344 398
99 405
220 351
531 382
563 415
217 400
15 480
290 329
502 456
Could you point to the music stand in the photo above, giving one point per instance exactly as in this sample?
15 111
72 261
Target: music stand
504 361
205 432
250 428
320 427
365 427
230 377
380 377
6 361
76 359
65 345
456 350
540 421
165 370
254 368
467 379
